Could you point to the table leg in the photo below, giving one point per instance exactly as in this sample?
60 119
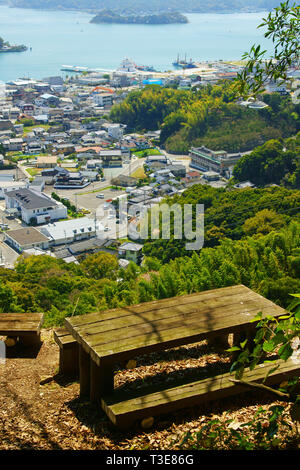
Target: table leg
102 381
84 372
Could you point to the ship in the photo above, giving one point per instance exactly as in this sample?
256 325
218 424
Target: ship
183 63
75 68
129 65
145 68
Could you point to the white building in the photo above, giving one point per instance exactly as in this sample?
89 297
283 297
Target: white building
11 186
69 231
34 207
115 131
103 99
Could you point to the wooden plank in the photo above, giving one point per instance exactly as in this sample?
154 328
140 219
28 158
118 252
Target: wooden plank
164 339
21 323
20 316
124 412
134 327
174 313
69 360
157 305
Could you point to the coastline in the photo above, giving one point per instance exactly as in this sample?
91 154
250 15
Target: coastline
183 12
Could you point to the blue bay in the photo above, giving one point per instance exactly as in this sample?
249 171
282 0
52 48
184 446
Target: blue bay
67 38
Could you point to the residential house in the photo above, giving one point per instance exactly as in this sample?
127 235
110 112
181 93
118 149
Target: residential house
28 109
13 145
131 252
124 181
115 131
47 161
47 99
103 99
34 147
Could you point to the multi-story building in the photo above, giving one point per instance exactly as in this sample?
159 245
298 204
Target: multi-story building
103 99
115 131
35 208
205 159
111 158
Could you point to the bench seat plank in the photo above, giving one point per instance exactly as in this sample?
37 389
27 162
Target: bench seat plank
63 338
68 352
124 411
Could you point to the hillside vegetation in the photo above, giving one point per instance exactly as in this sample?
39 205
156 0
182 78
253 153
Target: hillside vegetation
275 162
210 116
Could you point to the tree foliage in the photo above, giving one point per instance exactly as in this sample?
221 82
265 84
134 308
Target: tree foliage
283 28
275 162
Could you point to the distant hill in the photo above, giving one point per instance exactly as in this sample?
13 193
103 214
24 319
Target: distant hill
108 16
148 6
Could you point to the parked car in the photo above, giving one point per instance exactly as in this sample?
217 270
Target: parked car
100 196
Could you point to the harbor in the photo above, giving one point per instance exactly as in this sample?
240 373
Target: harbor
205 71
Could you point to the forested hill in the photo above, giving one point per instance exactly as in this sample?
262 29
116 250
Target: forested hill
108 16
134 6
209 116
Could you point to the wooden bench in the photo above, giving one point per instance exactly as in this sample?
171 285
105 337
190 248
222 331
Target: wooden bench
123 412
24 327
68 352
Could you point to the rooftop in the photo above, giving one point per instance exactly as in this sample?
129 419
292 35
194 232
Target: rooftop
30 199
27 235
130 246
69 228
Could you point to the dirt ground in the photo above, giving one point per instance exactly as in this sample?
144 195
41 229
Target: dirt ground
53 417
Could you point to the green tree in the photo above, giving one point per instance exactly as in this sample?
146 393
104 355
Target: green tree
283 28
263 222
100 265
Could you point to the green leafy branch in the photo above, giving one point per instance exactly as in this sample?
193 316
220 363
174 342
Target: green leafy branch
283 28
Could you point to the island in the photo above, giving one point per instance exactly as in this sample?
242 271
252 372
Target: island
108 16
6 47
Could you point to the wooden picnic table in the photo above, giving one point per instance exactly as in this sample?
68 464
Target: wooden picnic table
25 326
120 334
